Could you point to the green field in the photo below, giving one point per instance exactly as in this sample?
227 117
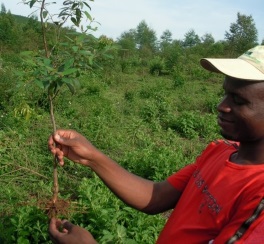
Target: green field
150 108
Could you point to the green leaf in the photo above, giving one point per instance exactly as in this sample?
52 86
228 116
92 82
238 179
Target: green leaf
46 61
61 68
69 71
60 82
72 84
53 88
74 5
76 83
46 84
39 84
45 14
31 62
22 240
71 88
65 66
68 63
75 48
66 80
108 56
91 60
43 72
78 13
67 2
88 6
88 16
85 53
81 38
78 16
74 21
27 53
32 2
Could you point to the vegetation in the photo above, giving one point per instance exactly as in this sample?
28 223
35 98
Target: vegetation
60 64
146 103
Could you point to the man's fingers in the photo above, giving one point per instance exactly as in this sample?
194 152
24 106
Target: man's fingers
53 226
67 225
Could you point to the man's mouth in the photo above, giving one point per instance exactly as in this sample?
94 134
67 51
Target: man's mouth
224 121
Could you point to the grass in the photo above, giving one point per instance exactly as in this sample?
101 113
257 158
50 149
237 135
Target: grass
150 126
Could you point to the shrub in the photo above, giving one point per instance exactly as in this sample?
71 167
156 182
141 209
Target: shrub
156 66
191 125
178 80
110 220
27 225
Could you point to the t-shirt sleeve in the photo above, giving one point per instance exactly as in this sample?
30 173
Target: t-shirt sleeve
180 179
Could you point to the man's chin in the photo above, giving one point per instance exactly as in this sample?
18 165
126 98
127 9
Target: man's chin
227 137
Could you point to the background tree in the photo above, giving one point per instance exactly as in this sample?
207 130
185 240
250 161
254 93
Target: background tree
165 39
207 39
146 39
128 51
32 34
10 31
127 40
171 53
3 9
242 34
191 39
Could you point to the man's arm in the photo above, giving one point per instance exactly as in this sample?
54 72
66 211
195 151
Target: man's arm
139 193
145 195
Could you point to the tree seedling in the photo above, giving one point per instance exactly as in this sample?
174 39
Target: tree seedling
61 61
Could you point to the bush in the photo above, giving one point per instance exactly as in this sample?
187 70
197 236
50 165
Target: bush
156 66
27 225
178 80
191 125
110 220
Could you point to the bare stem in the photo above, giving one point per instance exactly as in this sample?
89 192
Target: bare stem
55 163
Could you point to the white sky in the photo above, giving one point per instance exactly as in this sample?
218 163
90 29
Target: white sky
204 16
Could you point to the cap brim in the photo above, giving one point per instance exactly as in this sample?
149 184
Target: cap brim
236 68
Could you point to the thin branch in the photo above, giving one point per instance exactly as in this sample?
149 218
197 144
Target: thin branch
42 8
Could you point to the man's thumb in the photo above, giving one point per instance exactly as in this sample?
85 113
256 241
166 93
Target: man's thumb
61 140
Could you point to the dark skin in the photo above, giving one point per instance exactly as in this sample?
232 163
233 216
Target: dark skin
241 118
69 234
141 194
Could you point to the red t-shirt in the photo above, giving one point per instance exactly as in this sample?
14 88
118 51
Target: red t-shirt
217 197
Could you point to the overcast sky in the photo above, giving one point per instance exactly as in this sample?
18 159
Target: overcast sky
203 16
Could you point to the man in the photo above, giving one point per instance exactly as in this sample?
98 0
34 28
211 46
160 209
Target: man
217 199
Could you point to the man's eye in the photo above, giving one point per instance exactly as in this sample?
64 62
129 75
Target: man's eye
238 100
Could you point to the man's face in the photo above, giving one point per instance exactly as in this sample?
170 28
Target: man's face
241 112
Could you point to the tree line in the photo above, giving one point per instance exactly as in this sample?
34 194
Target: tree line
137 47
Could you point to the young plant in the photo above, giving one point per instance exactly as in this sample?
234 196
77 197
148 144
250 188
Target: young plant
65 55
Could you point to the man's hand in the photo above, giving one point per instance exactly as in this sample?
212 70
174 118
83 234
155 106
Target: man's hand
71 144
64 232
